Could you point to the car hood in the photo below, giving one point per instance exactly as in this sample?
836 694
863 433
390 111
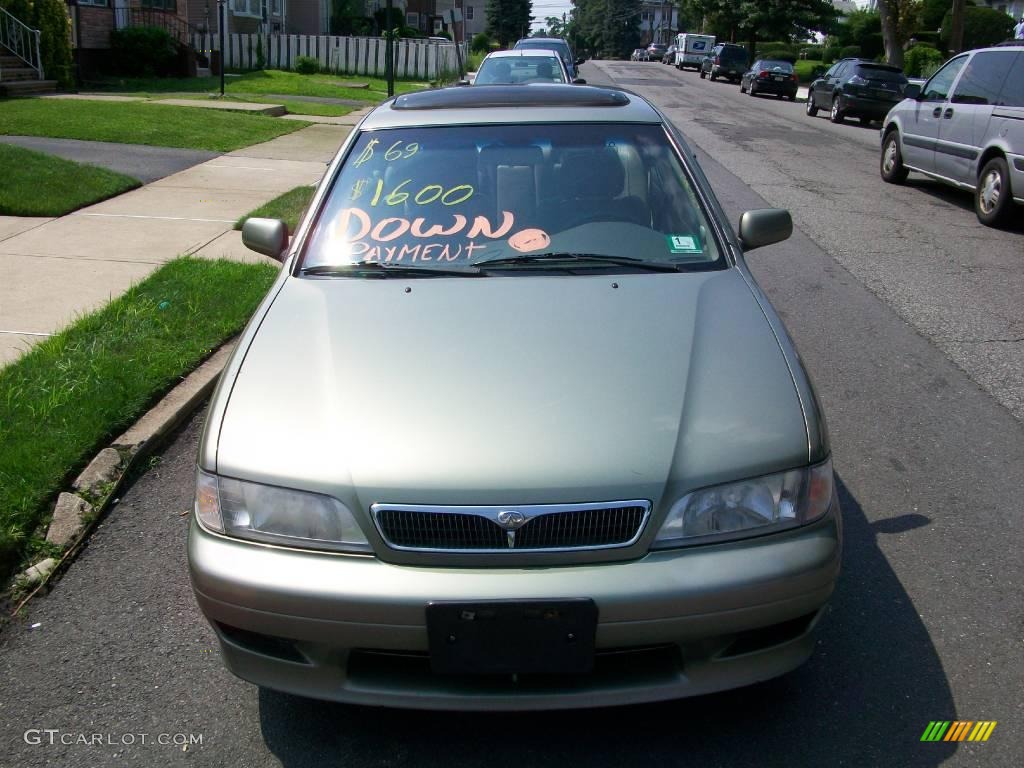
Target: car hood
511 390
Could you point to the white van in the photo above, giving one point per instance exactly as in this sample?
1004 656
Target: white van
691 49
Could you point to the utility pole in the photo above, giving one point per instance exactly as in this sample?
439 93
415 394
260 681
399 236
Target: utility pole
222 6
389 51
956 35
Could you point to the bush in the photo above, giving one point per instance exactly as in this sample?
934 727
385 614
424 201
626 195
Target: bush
50 17
143 52
481 43
921 60
831 53
779 52
982 27
850 52
307 65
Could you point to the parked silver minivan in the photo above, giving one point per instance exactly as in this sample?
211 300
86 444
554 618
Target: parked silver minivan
965 127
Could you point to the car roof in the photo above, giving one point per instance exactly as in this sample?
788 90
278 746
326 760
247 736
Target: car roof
542 40
504 104
521 52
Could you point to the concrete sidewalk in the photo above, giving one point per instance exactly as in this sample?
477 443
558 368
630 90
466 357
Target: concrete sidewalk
52 270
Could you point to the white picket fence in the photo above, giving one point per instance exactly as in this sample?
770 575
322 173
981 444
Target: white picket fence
419 59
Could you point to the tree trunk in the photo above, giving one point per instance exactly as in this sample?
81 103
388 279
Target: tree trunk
890 38
956 32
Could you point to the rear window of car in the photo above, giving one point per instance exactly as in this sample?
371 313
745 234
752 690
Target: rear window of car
513 70
883 74
455 195
733 54
551 45
777 66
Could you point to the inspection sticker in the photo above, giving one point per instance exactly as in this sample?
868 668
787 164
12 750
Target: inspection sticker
683 244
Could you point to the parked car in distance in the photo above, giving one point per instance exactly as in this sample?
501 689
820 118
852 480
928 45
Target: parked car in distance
770 76
691 49
965 127
611 482
523 65
725 60
856 88
655 51
639 54
570 60
670 55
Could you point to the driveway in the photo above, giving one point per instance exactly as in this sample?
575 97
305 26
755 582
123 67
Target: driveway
136 160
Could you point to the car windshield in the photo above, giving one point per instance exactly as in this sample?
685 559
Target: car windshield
777 66
511 70
884 74
448 197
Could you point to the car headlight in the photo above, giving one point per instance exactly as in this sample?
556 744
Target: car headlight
749 507
275 515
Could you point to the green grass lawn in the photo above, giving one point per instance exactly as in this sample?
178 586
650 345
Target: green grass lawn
805 69
263 82
287 207
37 184
140 123
65 398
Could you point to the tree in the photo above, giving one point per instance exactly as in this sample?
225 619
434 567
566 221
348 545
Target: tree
982 26
611 28
508 20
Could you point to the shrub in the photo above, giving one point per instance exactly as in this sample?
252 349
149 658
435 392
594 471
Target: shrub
307 65
831 53
50 17
921 60
850 52
481 43
779 52
143 52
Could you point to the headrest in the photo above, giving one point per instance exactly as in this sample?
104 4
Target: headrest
593 173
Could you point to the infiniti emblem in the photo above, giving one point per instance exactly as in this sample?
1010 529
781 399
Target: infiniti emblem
510 519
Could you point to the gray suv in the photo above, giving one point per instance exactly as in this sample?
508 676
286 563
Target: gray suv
965 127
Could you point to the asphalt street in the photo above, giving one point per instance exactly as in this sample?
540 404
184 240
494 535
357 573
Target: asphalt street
136 160
927 622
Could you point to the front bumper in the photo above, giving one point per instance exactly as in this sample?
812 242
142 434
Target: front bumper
672 624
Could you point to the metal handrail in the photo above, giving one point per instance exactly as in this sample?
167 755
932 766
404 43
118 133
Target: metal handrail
21 40
175 26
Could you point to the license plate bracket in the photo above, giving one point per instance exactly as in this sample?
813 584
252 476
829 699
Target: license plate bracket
512 636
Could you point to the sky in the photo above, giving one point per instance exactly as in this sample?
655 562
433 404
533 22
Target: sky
544 8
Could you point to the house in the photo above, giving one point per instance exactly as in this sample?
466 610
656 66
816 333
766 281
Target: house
659 22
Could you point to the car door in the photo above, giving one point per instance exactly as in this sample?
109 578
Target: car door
825 87
1006 128
966 116
750 74
921 122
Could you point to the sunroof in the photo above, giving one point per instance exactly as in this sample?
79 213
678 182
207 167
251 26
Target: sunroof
486 96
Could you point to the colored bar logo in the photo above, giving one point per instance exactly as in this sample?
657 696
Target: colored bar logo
958 730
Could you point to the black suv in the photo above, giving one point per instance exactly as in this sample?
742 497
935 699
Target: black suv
725 60
857 88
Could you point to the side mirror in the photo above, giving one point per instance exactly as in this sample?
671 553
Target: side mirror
912 91
764 227
462 82
266 236
579 81
580 60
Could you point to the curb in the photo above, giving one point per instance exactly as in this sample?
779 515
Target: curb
105 476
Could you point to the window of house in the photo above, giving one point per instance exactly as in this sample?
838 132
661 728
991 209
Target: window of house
469 13
163 5
100 3
246 8
412 20
275 7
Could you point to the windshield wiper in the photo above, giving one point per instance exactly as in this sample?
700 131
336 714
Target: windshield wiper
601 259
384 267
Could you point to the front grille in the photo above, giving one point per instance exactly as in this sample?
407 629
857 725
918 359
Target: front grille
520 528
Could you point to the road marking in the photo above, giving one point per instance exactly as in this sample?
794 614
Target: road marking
162 218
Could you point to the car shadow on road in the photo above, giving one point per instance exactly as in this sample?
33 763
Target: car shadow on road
864 698
961 199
